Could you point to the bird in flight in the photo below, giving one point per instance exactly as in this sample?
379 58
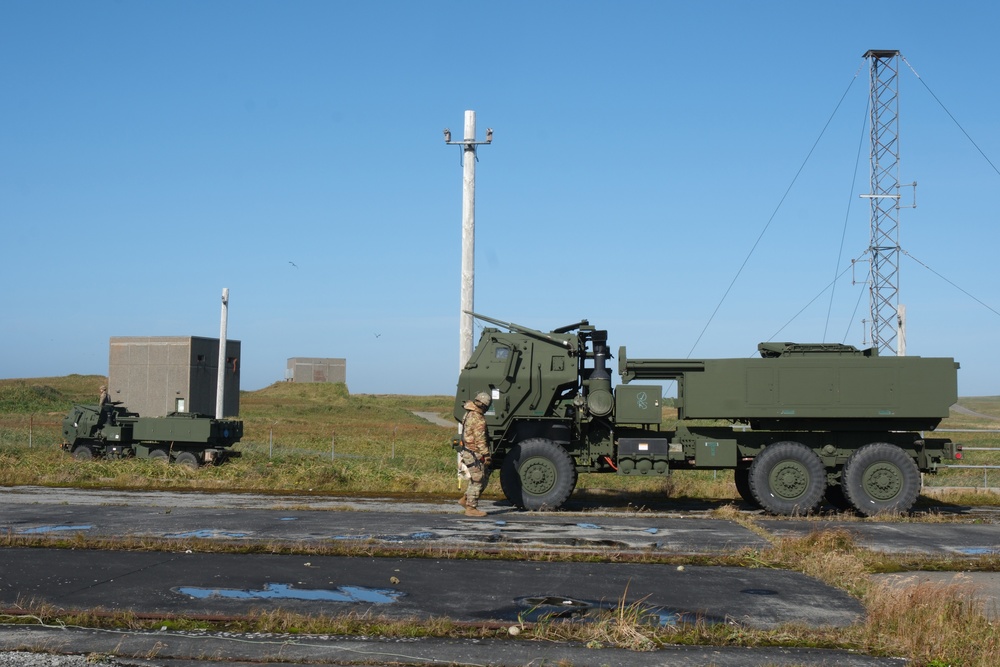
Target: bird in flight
293 264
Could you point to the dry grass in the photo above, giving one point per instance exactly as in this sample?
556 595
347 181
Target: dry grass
931 624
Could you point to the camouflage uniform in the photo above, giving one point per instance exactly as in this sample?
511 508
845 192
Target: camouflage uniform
475 454
104 405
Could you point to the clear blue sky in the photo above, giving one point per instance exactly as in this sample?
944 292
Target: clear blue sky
152 153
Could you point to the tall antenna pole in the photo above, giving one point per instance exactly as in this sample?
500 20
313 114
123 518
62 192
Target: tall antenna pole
884 197
469 158
220 387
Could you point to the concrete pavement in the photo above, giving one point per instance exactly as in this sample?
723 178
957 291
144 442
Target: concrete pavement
506 592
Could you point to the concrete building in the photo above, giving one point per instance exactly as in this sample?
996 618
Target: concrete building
312 369
157 375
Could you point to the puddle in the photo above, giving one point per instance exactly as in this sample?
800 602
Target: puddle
289 518
206 534
273 591
412 537
977 551
651 531
50 529
579 542
588 526
542 608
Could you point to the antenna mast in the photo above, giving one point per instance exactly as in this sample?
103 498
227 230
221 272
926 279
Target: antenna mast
886 325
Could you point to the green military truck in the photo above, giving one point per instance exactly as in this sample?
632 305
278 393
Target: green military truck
185 438
801 423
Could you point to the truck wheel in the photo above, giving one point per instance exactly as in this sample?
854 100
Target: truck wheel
787 478
83 453
741 476
160 455
537 474
881 478
187 459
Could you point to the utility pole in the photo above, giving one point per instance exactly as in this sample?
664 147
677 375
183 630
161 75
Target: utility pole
468 145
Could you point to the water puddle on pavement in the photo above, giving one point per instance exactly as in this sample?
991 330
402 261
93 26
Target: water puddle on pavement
38 530
412 537
542 608
206 534
272 591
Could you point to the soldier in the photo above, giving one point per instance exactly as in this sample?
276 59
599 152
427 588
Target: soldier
104 405
474 455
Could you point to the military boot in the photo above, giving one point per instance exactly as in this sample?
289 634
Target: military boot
463 502
473 511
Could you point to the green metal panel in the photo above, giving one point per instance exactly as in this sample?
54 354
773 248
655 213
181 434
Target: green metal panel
173 428
715 454
638 404
112 433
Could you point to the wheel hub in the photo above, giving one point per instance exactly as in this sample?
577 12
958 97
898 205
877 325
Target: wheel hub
538 476
789 480
882 481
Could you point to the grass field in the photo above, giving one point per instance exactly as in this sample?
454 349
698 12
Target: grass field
318 438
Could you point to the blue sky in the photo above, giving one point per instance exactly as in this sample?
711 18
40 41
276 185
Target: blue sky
152 153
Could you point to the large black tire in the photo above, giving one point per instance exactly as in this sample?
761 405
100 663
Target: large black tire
881 478
83 453
187 459
160 455
741 476
787 478
538 474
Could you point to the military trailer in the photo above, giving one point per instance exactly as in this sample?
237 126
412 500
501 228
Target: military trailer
801 423
113 432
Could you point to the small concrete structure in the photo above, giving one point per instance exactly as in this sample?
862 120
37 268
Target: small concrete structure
157 375
313 369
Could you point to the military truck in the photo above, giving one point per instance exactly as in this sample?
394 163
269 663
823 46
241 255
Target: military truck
189 439
801 423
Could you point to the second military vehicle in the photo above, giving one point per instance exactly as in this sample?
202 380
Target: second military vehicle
114 432
805 421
